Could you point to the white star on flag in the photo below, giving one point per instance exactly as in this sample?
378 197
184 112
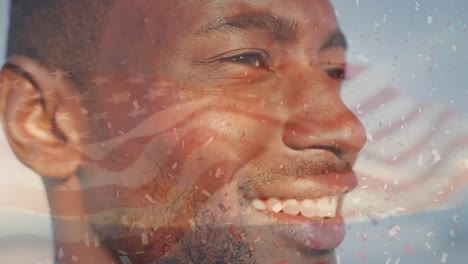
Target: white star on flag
118 98
99 80
135 80
78 97
136 112
59 74
96 117
154 94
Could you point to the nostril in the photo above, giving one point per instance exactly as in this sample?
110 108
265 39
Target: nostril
303 147
335 150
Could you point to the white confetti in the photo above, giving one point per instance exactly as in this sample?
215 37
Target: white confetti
121 252
393 231
429 20
175 134
144 239
208 142
428 246
443 259
369 136
454 48
338 259
125 260
420 160
362 58
136 105
206 193
219 172
397 261
388 260
436 155
150 199
60 253
337 13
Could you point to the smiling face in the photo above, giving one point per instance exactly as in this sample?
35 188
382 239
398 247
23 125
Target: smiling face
219 132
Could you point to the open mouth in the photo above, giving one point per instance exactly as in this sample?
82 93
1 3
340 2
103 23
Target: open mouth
307 223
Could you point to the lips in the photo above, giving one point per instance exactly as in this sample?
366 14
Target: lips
305 211
310 223
312 187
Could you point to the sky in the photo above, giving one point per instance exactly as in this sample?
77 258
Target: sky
3 27
417 47
423 44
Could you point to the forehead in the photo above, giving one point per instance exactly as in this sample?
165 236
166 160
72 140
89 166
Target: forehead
312 9
141 29
192 14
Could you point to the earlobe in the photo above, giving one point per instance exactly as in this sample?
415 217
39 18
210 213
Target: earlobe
39 121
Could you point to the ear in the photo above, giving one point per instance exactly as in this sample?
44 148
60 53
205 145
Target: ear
40 120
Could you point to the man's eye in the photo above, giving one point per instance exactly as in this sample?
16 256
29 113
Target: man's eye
252 57
336 73
257 60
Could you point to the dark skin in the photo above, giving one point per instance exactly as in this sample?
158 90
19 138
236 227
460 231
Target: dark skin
199 107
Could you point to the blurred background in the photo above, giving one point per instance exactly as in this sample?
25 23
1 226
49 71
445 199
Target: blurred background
408 78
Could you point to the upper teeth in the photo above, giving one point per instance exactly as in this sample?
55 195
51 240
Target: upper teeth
321 207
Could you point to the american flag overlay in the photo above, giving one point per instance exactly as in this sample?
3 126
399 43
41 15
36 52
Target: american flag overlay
415 160
409 204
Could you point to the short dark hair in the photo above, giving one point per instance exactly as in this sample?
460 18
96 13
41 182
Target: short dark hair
61 34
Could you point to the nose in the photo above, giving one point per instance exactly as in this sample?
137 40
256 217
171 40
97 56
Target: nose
317 118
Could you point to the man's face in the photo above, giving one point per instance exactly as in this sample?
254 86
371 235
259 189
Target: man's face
221 132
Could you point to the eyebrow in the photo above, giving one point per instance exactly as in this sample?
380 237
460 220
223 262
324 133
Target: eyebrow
281 28
336 40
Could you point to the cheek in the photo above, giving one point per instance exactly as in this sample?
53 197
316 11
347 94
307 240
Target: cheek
241 134
200 157
172 167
